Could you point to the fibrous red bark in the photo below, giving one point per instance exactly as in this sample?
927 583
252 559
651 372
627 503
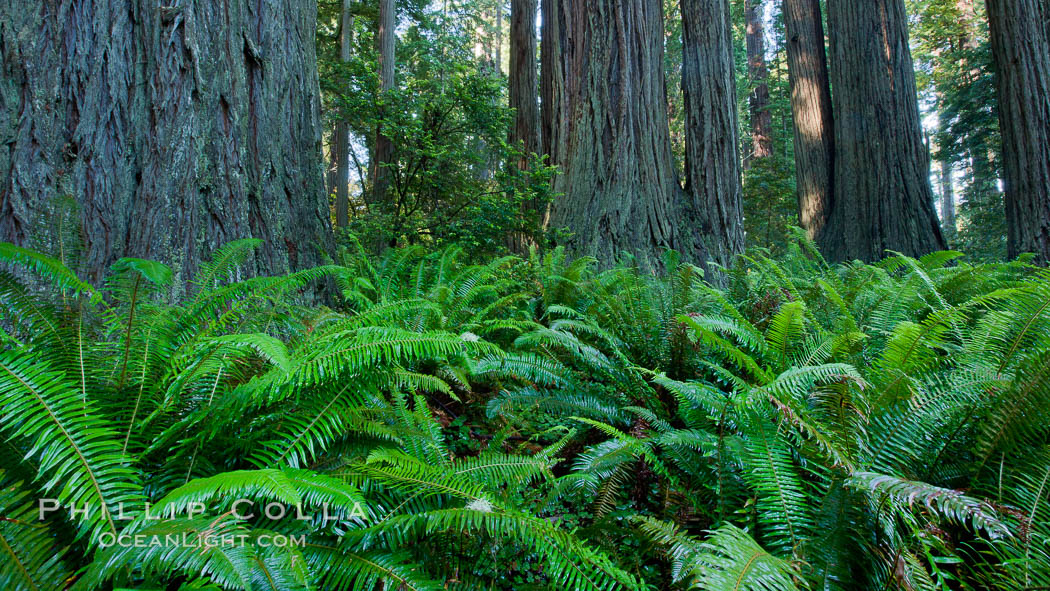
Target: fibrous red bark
812 112
1021 46
758 101
175 127
883 199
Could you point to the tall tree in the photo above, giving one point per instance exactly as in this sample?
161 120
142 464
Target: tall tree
883 198
341 144
552 75
1021 47
605 119
713 211
497 52
758 100
523 83
951 46
947 198
524 100
812 112
386 41
174 128
609 134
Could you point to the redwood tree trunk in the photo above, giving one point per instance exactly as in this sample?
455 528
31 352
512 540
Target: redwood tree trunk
882 187
610 135
552 74
341 147
176 127
947 200
1021 48
524 99
523 84
758 101
383 156
608 132
812 112
713 211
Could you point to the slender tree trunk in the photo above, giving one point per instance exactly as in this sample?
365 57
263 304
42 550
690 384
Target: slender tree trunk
386 40
552 74
606 128
984 174
341 148
332 162
947 183
524 100
1021 48
812 112
761 115
947 200
498 54
176 127
883 196
713 210
523 84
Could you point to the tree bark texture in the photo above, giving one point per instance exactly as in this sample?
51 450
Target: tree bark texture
524 100
386 40
605 115
523 83
712 216
176 127
758 101
609 133
812 112
552 74
341 146
1021 48
883 198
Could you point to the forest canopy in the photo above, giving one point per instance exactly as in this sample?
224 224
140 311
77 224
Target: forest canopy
326 295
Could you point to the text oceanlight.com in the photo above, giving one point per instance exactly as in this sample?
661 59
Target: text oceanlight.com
188 540
241 510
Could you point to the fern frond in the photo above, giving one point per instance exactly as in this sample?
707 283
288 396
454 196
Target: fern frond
29 559
79 455
951 504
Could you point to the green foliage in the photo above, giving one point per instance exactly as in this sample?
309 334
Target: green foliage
955 75
454 177
528 423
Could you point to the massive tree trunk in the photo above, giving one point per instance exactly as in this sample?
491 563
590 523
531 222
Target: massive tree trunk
605 113
383 155
713 213
175 129
610 136
341 145
883 199
1021 48
812 112
758 101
